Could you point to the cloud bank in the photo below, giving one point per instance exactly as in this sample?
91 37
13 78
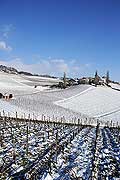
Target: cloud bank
54 67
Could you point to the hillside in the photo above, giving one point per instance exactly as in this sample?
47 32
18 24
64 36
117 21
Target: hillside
11 70
73 102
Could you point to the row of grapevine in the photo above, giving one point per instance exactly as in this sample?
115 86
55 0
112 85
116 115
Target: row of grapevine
32 149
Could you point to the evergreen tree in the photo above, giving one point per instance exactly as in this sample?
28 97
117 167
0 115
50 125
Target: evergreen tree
64 80
96 80
107 78
96 74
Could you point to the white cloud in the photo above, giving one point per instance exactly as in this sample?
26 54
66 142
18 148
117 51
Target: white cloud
4 46
54 67
6 29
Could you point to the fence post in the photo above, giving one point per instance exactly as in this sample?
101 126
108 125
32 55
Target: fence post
111 123
117 124
27 141
16 115
33 117
24 116
3 113
42 117
56 145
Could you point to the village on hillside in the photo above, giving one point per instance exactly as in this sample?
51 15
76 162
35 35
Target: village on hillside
95 81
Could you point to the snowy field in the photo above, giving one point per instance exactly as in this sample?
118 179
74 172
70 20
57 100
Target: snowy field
75 102
115 86
29 100
32 150
20 84
100 102
52 151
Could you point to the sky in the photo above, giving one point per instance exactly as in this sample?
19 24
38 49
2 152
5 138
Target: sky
53 36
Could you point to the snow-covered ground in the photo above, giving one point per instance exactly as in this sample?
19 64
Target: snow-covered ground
40 81
74 102
40 100
31 150
115 86
12 81
100 102
55 152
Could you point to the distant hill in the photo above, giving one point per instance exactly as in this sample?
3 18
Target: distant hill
25 73
11 70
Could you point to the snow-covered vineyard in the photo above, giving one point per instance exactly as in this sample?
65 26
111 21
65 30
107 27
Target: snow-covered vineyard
54 134
49 150
76 102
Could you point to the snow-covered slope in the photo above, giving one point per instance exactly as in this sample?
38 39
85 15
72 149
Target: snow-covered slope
96 102
17 85
74 102
29 100
11 83
115 86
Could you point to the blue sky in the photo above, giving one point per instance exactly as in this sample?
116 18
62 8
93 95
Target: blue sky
52 36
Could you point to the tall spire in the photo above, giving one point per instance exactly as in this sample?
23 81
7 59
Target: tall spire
96 79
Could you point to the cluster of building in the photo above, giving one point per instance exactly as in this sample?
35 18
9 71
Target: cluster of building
96 80
6 96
